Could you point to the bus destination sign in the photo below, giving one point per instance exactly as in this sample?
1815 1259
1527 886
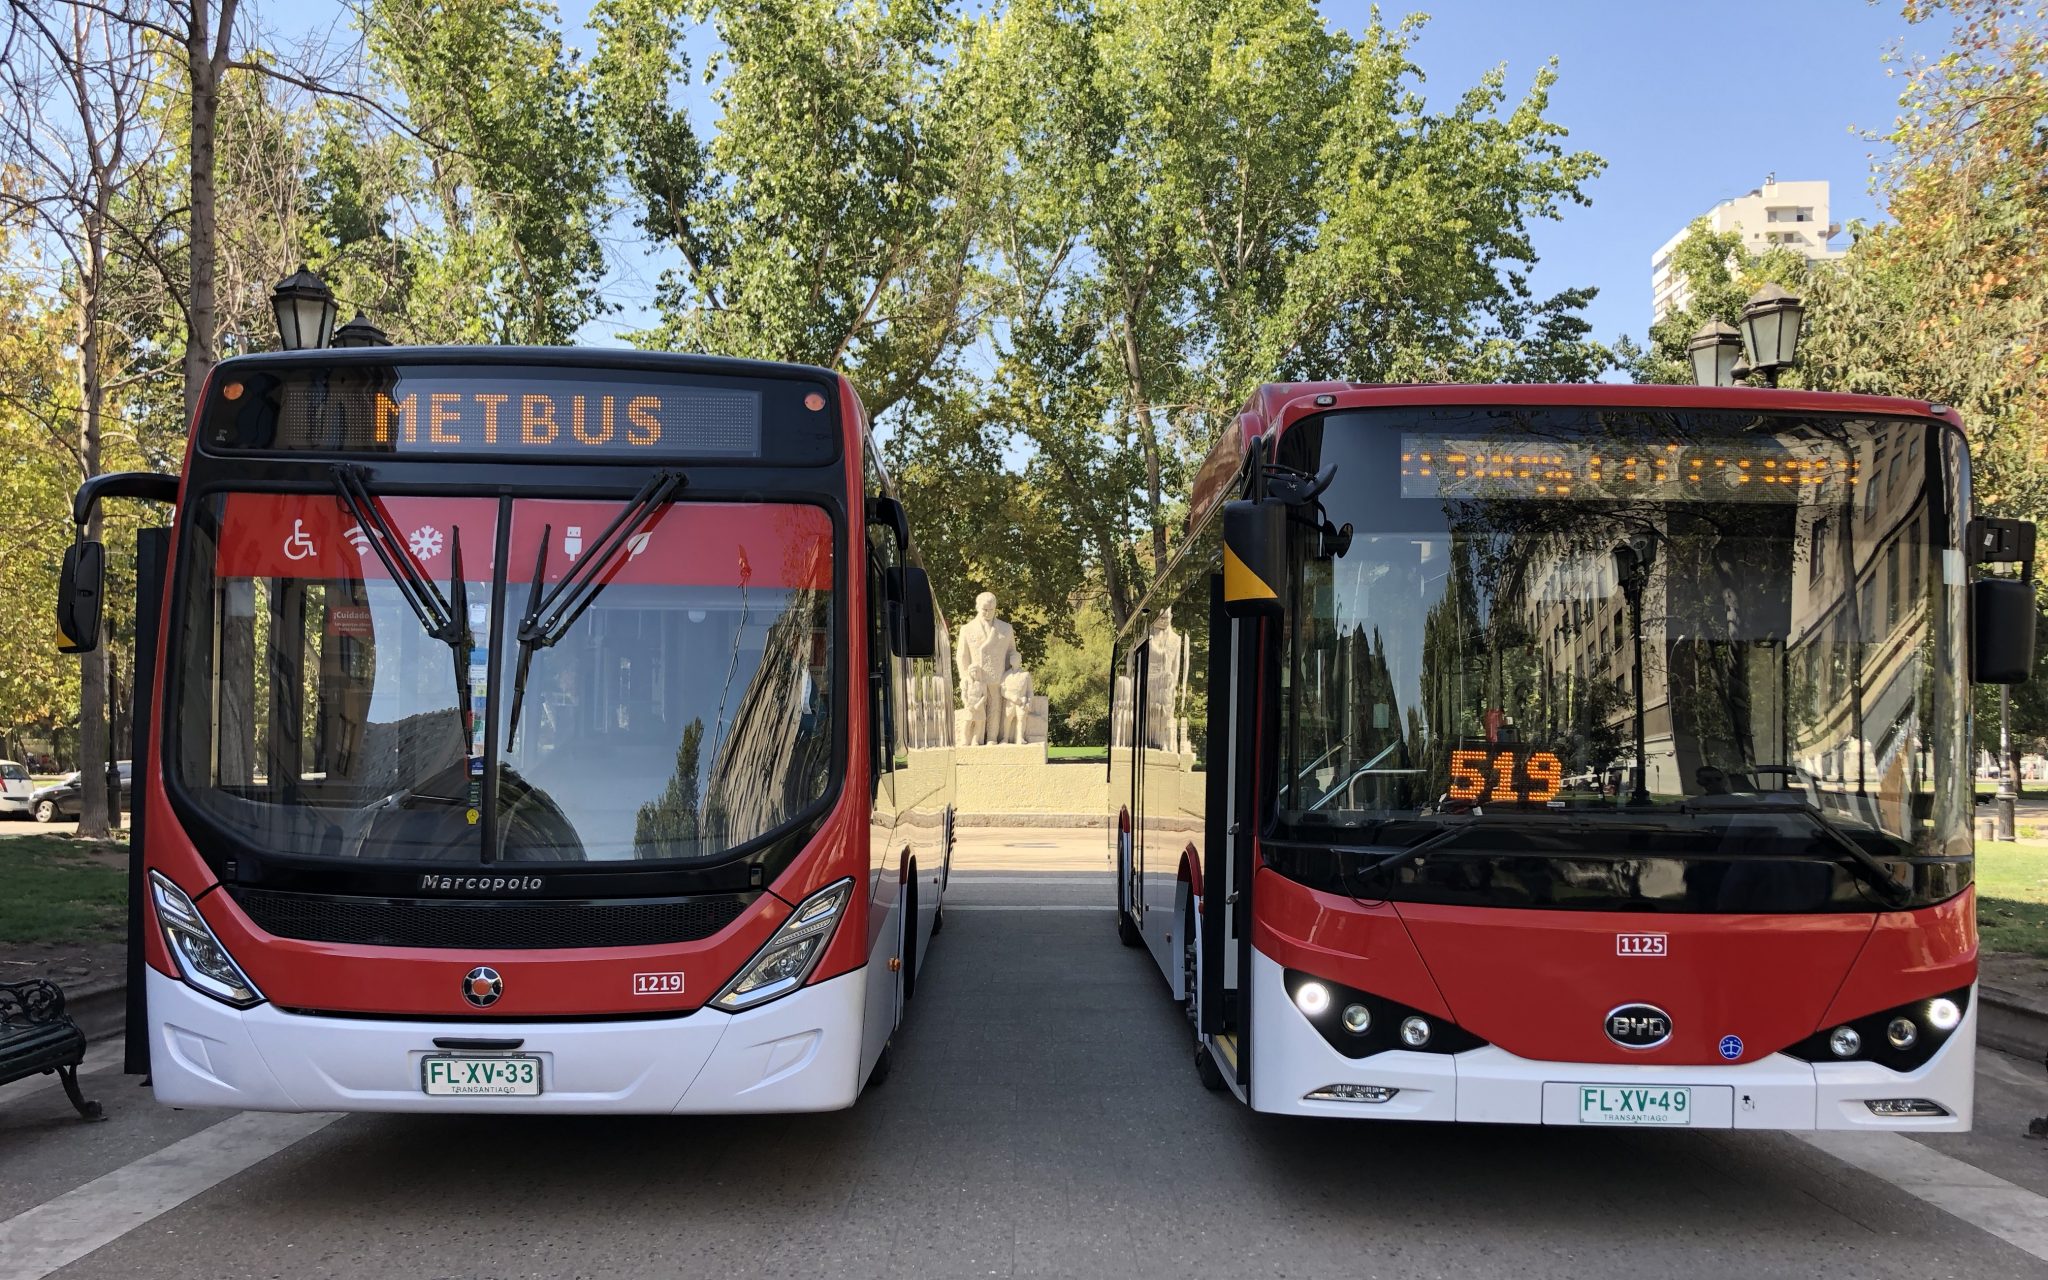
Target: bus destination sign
515 411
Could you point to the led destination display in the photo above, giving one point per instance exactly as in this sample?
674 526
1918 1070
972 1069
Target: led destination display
515 411
1434 466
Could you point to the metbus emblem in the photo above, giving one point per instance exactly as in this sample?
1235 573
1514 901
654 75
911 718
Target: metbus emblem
482 986
1638 1026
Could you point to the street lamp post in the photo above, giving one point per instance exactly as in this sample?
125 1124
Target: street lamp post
1765 346
359 332
2006 798
1715 352
1632 571
1771 321
305 311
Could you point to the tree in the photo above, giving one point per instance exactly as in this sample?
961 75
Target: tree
510 144
827 220
76 84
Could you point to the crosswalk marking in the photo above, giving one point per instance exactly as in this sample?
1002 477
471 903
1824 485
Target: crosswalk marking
1984 1200
58 1232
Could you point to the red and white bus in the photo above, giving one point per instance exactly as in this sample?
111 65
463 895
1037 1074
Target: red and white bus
1570 755
528 730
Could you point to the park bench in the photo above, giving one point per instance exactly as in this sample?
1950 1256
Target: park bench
36 1037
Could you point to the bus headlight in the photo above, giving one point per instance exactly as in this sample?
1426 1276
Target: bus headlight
785 961
1903 1037
202 961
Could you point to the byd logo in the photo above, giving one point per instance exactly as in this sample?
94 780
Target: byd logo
1638 1026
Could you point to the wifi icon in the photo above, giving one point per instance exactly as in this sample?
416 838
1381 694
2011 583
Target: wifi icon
358 539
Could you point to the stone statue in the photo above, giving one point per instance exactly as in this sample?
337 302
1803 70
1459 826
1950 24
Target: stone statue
996 690
987 652
1016 706
1165 684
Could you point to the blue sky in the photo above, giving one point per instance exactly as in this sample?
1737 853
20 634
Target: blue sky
1688 103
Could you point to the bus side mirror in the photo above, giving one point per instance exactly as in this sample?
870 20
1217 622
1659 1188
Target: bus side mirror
911 591
2002 622
1254 554
78 598
888 511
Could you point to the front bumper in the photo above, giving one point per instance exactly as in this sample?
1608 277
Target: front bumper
799 1053
1490 1085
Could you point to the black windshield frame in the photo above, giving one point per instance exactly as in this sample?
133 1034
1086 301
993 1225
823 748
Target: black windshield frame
747 866
1332 856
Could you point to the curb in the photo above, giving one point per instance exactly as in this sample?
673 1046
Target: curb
99 1009
2012 1024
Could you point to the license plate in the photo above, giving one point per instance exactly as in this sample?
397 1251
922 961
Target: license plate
1657 1104
499 1076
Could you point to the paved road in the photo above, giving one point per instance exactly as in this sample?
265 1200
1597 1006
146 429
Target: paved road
1043 1120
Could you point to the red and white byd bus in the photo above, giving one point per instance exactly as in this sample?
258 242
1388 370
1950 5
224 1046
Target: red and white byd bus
1570 755
527 730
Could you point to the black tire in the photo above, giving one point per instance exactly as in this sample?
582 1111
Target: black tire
1190 971
910 936
938 918
46 811
879 1076
1127 932
1206 1068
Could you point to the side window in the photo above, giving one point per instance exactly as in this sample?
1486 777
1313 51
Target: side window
884 670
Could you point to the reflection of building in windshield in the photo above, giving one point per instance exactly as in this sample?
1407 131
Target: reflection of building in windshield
770 757
1754 651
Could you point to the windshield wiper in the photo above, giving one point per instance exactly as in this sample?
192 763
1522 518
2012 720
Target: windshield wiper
1854 856
446 618
549 617
414 587
1430 843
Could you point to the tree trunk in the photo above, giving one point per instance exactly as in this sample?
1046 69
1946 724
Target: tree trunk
93 737
204 66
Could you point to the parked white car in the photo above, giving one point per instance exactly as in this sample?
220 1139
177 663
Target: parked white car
15 789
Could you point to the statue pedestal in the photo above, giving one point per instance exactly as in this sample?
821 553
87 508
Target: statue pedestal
1002 755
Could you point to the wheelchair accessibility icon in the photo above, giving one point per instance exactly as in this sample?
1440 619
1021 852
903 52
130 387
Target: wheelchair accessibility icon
299 546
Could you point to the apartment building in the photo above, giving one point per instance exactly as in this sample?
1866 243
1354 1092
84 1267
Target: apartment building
1790 215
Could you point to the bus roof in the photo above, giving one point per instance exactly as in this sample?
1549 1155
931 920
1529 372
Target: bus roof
1275 406
576 357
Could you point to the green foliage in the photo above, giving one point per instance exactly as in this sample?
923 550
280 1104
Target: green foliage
1074 676
511 160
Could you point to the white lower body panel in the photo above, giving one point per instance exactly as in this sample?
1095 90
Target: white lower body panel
799 1053
1290 1059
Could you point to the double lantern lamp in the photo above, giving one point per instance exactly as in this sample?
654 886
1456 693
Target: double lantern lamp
1764 347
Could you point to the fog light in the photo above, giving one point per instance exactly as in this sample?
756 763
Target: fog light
1943 1015
1350 1093
1843 1042
1313 997
1357 1019
1894 1107
1415 1032
1901 1033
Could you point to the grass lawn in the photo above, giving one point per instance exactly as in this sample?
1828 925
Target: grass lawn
1072 755
2012 896
57 889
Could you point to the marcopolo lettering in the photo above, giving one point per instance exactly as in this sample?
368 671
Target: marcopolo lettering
481 884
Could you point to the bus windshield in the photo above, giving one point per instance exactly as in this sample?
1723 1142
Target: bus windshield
1567 622
685 712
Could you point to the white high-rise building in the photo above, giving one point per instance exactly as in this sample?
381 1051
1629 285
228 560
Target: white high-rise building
1791 215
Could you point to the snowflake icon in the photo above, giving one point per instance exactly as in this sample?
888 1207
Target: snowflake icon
425 542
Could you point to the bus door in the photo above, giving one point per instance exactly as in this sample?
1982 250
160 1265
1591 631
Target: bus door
1134 889
1225 935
